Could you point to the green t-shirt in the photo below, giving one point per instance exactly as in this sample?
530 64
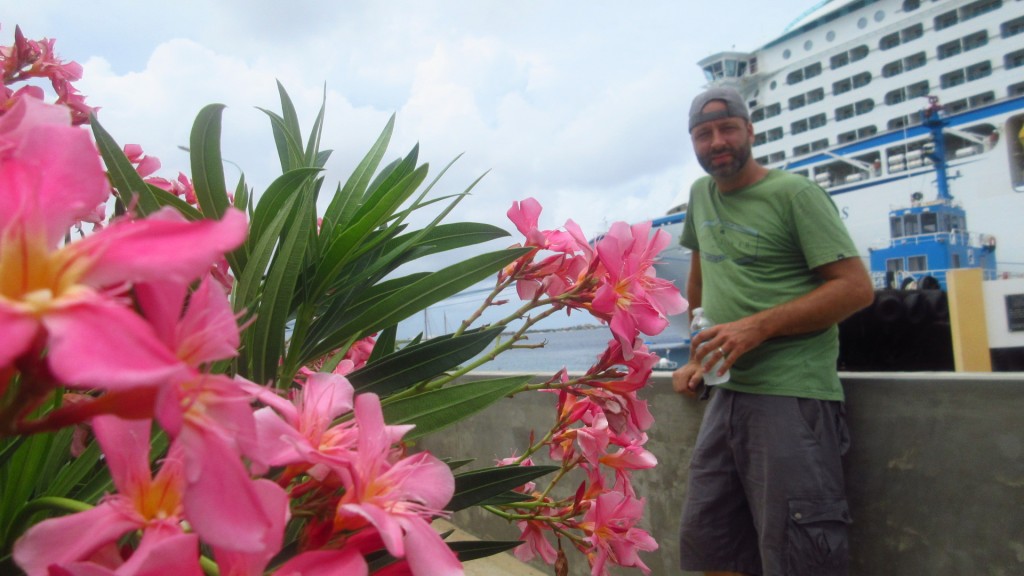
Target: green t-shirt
758 248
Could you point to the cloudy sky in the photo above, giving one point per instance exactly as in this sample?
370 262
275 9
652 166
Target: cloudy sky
580 104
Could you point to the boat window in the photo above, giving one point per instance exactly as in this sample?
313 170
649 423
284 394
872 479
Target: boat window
914 61
864 106
950 79
912 32
757 115
894 264
980 7
955 106
818 120
862 79
777 156
866 132
798 126
760 138
976 40
979 70
801 149
774 134
917 263
812 70
844 112
898 123
1012 27
842 86
816 95
1015 89
929 223
948 49
772 110
847 137
797 102
843 58
819 144
730 68
895 96
910 225
892 69
955 262
1014 59
943 21
859 53
982 99
911 5
896 227
889 41
917 89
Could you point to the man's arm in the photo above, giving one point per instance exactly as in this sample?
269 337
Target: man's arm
845 289
687 378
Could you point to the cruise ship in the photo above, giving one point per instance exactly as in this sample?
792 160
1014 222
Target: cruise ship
841 97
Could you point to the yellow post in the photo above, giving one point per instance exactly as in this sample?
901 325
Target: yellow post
967 320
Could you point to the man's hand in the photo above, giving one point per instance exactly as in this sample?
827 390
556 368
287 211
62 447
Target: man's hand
686 380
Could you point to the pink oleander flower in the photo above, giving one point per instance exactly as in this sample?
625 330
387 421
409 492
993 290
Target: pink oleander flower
28 59
64 298
396 499
146 166
557 274
632 298
533 533
610 525
142 502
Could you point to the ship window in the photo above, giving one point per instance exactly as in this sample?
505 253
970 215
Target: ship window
865 106
914 61
948 49
817 121
859 53
776 157
917 89
929 223
1011 27
892 69
917 263
862 23
760 138
1014 59
910 224
955 262
895 96
830 36
772 110
943 21
950 79
862 79
844 112
842 86
753 65
910 5
819 144
976 40
816 95
799 126
1015 89
797 102
979 70
898 123
894 264
847 137
955 106
774 134
866 132
896 227
879 16
786 54
757 115
911 33
801 149
980 7
843 58
889 41
982 99
812 70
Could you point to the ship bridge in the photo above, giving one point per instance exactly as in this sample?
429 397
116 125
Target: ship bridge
733 69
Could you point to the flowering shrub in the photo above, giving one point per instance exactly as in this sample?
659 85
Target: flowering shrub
227 374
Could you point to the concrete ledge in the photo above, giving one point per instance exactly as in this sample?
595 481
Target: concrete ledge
935 475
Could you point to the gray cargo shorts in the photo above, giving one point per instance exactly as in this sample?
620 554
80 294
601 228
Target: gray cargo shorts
765 493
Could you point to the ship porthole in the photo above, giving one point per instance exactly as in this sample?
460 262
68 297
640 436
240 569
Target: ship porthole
808 45
879 16
830 36
862 23
786 54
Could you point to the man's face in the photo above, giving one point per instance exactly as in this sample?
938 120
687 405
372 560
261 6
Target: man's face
722 146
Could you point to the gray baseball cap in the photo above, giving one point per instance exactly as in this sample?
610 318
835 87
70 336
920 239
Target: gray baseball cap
734 106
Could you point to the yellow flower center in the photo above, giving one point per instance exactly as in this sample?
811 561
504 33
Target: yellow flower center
33 277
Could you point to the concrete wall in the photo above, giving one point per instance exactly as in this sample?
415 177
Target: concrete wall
935 475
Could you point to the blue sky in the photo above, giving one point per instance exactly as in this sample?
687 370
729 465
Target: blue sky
580 104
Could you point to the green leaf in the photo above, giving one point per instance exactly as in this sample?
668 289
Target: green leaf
344 204
467 550
427 291
438 409
130 186
207 166
506 498
384 345
272 201
472 488
446 237
414 364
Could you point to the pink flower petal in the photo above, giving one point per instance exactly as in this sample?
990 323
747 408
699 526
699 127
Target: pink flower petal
70 538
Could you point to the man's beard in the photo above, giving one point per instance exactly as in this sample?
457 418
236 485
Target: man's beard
729 169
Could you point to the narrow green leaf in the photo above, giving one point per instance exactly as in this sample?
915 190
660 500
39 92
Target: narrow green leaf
130 186
425 292
506 498
345 202
467 550
384 345
446 237
474 487
207 166
274 198
438 409
249 283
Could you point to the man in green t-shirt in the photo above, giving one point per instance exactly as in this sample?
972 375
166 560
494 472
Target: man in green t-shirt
774 267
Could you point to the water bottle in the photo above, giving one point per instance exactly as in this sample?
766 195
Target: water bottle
700 322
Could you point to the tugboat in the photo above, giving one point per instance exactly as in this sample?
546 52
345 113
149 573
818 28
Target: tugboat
929 238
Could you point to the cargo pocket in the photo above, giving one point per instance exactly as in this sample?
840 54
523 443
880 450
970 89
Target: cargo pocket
816 535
